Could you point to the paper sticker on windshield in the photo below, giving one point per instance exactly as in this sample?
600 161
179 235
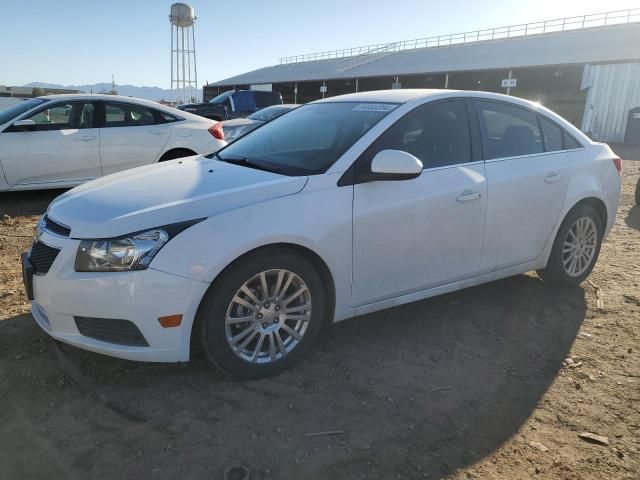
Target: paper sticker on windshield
374 107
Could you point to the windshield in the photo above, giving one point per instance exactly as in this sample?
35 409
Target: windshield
268 113
18 109
222 97
309 139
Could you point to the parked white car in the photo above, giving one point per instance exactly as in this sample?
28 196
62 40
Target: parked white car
62 141
400 196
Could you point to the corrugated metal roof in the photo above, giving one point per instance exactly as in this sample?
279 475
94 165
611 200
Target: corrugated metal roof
596 45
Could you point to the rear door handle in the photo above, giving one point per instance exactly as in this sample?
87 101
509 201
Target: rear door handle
468 196
85 138
553 177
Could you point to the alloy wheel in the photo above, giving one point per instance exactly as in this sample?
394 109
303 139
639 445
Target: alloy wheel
580 246
268 316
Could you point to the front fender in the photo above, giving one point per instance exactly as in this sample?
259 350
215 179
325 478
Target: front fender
317 218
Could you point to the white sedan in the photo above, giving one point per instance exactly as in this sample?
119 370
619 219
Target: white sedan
342 207
62 141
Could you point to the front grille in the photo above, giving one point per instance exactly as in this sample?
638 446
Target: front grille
112 330
55 227
42 257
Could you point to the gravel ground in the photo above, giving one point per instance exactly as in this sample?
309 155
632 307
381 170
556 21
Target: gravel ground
496 381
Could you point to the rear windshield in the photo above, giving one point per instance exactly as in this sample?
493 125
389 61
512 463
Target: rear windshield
268 113
19 108
309 139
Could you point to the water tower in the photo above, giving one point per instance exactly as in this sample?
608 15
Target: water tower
184 74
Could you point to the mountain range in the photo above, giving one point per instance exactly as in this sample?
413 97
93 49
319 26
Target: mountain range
150 93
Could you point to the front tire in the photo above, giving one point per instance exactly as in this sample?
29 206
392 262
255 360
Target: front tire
575 249
262 314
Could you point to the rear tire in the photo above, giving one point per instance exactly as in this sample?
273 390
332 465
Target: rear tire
638 193
575 249
281 325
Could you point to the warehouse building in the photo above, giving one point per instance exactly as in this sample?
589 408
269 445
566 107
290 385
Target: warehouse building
585 68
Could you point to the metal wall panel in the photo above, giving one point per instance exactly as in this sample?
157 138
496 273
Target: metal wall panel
614 89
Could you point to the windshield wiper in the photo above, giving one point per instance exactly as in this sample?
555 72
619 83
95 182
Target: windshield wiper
246 162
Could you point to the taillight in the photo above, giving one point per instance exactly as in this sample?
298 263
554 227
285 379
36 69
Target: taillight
617 162
216 131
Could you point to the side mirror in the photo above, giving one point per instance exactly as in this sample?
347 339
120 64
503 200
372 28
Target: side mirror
24 124
394 165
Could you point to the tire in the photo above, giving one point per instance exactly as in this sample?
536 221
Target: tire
638 193
556 272
176 153
272 352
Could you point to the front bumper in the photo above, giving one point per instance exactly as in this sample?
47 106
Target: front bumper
140 297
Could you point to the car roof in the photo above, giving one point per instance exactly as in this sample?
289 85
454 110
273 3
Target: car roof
411 94
120 98
391 96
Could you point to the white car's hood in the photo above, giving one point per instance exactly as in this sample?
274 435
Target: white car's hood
163 194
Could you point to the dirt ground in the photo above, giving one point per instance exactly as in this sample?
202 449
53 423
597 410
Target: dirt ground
459 386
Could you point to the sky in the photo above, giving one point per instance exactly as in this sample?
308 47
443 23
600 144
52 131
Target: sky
75 42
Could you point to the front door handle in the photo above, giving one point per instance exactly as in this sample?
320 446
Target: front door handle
553 177
155 132
85 138
468 196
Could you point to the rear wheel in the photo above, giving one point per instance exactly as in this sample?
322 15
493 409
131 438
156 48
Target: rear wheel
262 314
575 249
638 193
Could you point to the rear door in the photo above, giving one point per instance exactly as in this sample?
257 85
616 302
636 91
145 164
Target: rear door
131 135
62 146
527 174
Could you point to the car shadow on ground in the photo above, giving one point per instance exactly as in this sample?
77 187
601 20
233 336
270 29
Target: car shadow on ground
633 218
34 202
421 389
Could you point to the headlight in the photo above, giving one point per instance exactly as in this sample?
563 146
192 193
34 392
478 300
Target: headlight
134 252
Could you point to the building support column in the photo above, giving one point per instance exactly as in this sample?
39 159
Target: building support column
356 85
509 77
295 93
446 81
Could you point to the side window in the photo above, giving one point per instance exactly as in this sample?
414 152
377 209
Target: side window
570 143
56 116
116 115
64 116
121 115
139 116
87 115
552 135
437 134
167 117
508 131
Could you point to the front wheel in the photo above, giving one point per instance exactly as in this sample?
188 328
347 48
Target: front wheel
262 314
575 249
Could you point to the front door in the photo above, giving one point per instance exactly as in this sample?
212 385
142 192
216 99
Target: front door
416 234
61 146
